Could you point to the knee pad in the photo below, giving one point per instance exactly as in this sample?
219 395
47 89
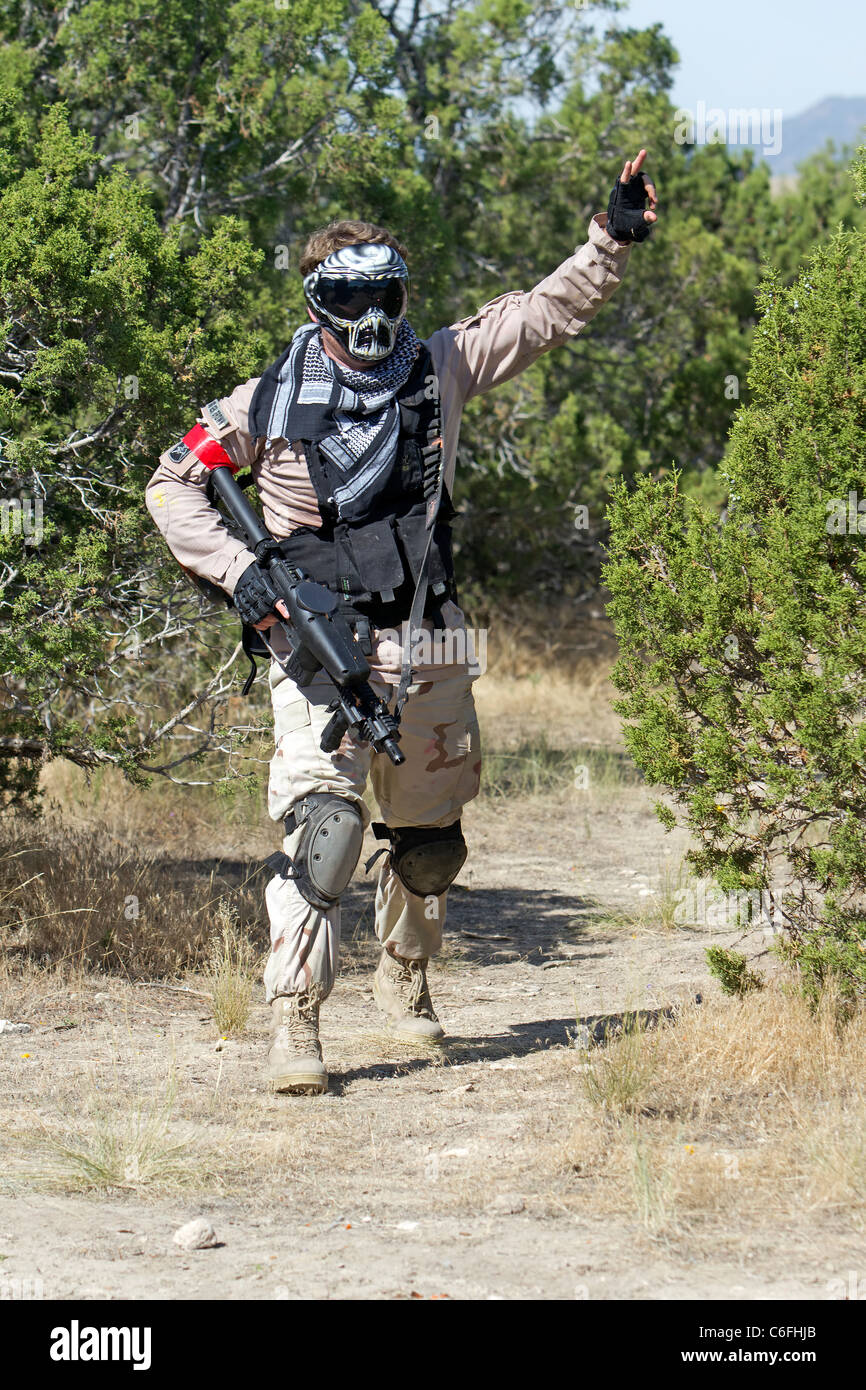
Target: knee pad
329 847
425 858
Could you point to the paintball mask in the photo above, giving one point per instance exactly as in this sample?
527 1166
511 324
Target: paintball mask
360 293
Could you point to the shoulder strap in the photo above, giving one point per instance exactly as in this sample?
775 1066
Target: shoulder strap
434 470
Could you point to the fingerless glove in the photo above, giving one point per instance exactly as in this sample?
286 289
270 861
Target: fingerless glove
625 220
254 596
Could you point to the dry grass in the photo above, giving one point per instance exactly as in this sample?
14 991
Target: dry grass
73 897
740 1113
544 706
750 1108
192 822
674 879
536 767
229 972
122 880
117 1118
100 1144
651 1181
618 1076
569 643
548 670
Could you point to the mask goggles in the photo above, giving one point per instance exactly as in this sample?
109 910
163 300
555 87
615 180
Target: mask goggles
360 294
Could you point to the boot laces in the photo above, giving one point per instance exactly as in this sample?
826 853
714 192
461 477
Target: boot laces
411 977
300 1025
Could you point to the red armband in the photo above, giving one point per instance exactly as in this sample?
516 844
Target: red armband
208 451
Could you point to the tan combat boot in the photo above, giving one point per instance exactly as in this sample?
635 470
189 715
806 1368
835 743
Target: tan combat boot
400 990
295 1054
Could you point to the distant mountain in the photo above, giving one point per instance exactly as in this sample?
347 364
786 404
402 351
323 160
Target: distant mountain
840 119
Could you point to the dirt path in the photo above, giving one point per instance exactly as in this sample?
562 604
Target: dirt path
418 1174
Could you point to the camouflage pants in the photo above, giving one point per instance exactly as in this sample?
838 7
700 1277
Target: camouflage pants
440 740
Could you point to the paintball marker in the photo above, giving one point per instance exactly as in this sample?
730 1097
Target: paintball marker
319 638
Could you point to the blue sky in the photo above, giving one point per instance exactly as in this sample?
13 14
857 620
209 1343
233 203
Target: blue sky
765 53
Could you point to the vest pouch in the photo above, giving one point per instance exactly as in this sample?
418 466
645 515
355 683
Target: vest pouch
442 556
411 470
413 534
371 556
313 554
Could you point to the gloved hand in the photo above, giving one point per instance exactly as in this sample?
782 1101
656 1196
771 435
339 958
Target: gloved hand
254 597
627 218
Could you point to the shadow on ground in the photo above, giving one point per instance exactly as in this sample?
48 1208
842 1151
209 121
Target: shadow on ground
492 926
486 926
521 1040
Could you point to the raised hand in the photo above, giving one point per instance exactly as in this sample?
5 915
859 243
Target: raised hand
628 218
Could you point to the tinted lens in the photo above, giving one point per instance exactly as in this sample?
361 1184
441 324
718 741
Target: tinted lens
350 299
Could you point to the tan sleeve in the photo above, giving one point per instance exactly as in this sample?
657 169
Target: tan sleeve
511 332
176 495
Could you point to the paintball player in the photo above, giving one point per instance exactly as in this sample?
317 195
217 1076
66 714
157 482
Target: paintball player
351 436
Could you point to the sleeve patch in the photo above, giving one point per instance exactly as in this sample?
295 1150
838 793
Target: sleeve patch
178 453
217 417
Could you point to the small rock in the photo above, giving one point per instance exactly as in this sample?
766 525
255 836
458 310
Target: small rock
8 1027
100 998
196 1235
407 1225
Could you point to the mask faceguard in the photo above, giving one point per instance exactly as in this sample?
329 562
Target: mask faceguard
360 294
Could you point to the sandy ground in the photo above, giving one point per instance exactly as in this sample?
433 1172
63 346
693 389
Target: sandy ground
420 1174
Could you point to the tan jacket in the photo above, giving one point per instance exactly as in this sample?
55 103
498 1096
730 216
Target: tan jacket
470 357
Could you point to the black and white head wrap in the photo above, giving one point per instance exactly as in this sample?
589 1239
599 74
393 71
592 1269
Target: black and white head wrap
352 417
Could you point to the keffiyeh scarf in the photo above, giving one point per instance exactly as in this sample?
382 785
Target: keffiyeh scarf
352 417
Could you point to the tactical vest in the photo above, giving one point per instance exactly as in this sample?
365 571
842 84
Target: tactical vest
373 561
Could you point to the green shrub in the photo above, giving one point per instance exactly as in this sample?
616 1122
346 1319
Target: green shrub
731 969
743 640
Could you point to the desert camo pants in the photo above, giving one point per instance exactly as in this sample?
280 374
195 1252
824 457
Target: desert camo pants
440 740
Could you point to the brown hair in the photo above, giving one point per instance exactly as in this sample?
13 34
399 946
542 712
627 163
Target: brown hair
339 234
